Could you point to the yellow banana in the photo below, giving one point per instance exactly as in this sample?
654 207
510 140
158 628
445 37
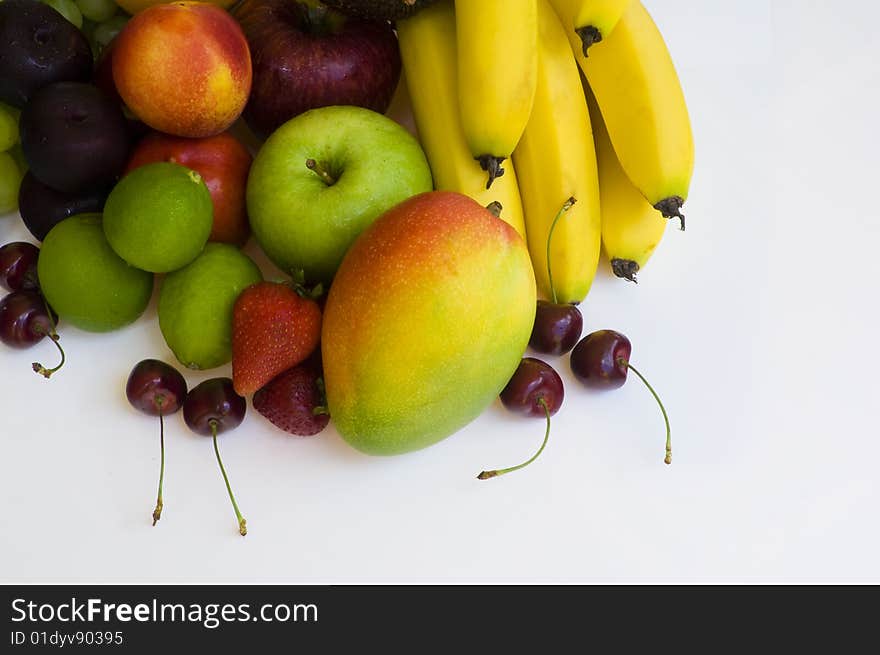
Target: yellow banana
497 60
428 51
591 20
631 227
638 92
555 160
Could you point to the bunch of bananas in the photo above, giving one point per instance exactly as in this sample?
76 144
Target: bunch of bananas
527 103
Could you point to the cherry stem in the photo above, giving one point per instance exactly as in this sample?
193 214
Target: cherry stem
53 335
668 459
565 207
47 372
242 523
321 172
157 513
485 475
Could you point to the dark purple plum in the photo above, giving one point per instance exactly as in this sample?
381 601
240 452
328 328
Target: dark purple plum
74 138
38 46
42 207
601 361
557 328
534 390
213 407
156 389
25 321
18 266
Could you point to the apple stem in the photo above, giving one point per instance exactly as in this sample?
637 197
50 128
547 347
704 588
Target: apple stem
157 513
321 172
565 207
495 208
242 523
485 475
668 459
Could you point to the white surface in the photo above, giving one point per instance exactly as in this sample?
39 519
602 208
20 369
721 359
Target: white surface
757 326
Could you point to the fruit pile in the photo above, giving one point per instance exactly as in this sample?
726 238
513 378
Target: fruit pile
414 273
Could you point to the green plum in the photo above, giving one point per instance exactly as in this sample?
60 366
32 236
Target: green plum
159 217
195 305
85 282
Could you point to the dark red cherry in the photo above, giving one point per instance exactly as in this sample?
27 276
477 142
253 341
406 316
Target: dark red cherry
535 390
25 321
213 407
18 266
557 328
601 360
533 386
157 389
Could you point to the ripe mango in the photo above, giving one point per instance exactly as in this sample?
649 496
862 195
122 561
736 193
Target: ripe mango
426 320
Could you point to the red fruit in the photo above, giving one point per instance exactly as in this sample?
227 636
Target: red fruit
294 401
274 328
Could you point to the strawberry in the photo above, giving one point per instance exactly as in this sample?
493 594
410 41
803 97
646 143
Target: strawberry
275 326
294 401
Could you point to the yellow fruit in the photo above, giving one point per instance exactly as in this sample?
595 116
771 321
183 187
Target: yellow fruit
497 68
592 20
428 51
555 160
631 227
638 92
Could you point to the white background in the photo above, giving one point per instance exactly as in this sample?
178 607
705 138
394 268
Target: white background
757 326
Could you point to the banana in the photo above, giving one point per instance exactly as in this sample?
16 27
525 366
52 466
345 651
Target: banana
497 63
638 92
591 20
631 227
555 160
428 50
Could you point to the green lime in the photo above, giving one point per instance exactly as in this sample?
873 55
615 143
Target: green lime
159 216
87 283
195 305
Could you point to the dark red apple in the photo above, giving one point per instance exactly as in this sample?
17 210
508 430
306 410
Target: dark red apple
221 160
306 57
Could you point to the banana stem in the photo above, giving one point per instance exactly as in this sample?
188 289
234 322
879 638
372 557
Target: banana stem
565 207
668 459
485 475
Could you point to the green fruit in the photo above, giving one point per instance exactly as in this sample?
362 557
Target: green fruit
426 321
195 305
159 217
306 221
10 180
87 283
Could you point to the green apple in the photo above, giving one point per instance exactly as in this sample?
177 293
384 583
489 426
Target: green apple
322 178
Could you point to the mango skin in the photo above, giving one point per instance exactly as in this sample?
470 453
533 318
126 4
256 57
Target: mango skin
427 319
